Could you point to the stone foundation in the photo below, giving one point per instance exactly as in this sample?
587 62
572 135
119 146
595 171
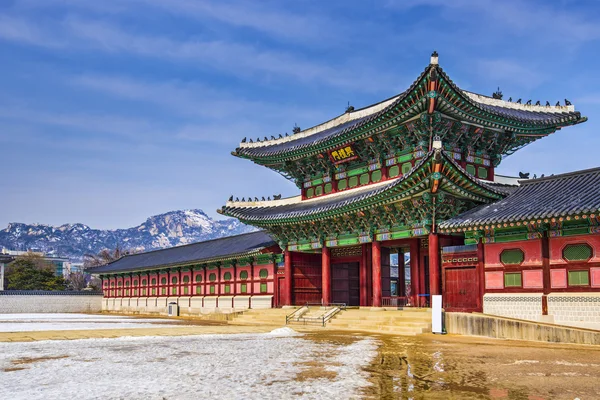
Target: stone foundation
514 305
188 306
580 309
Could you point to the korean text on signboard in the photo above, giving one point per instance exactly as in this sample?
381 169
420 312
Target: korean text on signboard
343 154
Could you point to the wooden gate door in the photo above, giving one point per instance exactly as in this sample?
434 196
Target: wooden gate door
461 289
307 283
345 286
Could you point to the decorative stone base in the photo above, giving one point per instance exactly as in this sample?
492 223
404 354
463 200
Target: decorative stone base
196 305
580 309
514 305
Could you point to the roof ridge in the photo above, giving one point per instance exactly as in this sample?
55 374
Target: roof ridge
560 176
186 245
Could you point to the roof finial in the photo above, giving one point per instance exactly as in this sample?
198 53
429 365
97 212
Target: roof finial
434 58
296 129
349 108
497 94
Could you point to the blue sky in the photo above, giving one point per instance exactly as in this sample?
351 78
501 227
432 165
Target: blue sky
112 111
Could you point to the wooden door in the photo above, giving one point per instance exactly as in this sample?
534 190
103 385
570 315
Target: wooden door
461 289
345 283
307 283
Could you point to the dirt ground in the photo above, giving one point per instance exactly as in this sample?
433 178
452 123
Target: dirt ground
426 366
453 367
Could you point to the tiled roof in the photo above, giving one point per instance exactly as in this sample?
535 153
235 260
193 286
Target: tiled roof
568 194
284 209
201 252
524 113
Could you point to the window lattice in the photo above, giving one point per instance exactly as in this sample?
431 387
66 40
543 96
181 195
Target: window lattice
512 257
577 252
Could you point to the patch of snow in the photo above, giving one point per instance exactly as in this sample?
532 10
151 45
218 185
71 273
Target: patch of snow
284 332
65 322
234 366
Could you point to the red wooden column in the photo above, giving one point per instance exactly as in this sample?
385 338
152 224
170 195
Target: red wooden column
480 274
326 274
434 264
287 272
545 270
415 286
376 255
363 278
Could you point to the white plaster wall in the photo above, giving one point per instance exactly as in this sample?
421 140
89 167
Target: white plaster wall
577 309
50 304
187 305
526 306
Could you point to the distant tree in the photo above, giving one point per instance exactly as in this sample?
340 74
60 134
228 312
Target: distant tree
96 260
77 280
32 272
104 257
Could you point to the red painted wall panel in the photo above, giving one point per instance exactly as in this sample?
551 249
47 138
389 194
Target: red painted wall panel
533 279
595 277
558 243
532 250
494 280
558 278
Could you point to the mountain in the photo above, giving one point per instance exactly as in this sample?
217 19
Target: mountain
165 230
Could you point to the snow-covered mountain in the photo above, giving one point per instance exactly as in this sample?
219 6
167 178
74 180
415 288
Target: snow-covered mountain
165 230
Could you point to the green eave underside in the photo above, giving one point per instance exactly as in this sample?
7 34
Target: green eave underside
453 181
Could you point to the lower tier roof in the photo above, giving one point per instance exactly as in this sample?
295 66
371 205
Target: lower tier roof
202 252
556 196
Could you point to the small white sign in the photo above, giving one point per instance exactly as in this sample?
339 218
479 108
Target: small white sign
436 314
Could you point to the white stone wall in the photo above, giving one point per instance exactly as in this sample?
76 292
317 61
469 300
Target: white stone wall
195 305
577 309
514 305
12 304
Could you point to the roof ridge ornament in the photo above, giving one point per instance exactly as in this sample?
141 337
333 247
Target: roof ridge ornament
434 58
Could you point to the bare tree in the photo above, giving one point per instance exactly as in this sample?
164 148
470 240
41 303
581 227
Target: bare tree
104 257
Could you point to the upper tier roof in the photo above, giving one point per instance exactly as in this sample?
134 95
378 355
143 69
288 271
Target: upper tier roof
477 108
201 252
556 196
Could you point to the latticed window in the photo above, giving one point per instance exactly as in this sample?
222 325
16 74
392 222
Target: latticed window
263 274
579 278
482 172
198 278
244 288
244 275
174 280
512 257
212 277
227 289
186 279
406 167
227 276
577 252
353 181
263 288
471 169
512 279
364 179
376 176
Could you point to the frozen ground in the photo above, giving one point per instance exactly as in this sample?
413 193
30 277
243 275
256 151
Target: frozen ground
62 322
276 365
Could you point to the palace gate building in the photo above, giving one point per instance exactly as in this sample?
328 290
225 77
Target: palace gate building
412 175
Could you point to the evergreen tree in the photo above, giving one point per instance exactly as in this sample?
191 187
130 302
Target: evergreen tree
32 272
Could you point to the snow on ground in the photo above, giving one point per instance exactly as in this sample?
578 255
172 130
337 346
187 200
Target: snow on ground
61 322
234 366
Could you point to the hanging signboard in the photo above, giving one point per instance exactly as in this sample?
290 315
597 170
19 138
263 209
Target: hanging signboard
343 154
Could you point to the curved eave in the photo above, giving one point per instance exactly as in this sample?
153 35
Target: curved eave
418 180
451 101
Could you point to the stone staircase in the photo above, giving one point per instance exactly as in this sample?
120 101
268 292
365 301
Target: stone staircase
409 321
267 316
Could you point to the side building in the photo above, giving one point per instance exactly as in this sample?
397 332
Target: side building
410 175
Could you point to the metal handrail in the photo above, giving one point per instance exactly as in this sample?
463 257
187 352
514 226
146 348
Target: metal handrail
336 308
